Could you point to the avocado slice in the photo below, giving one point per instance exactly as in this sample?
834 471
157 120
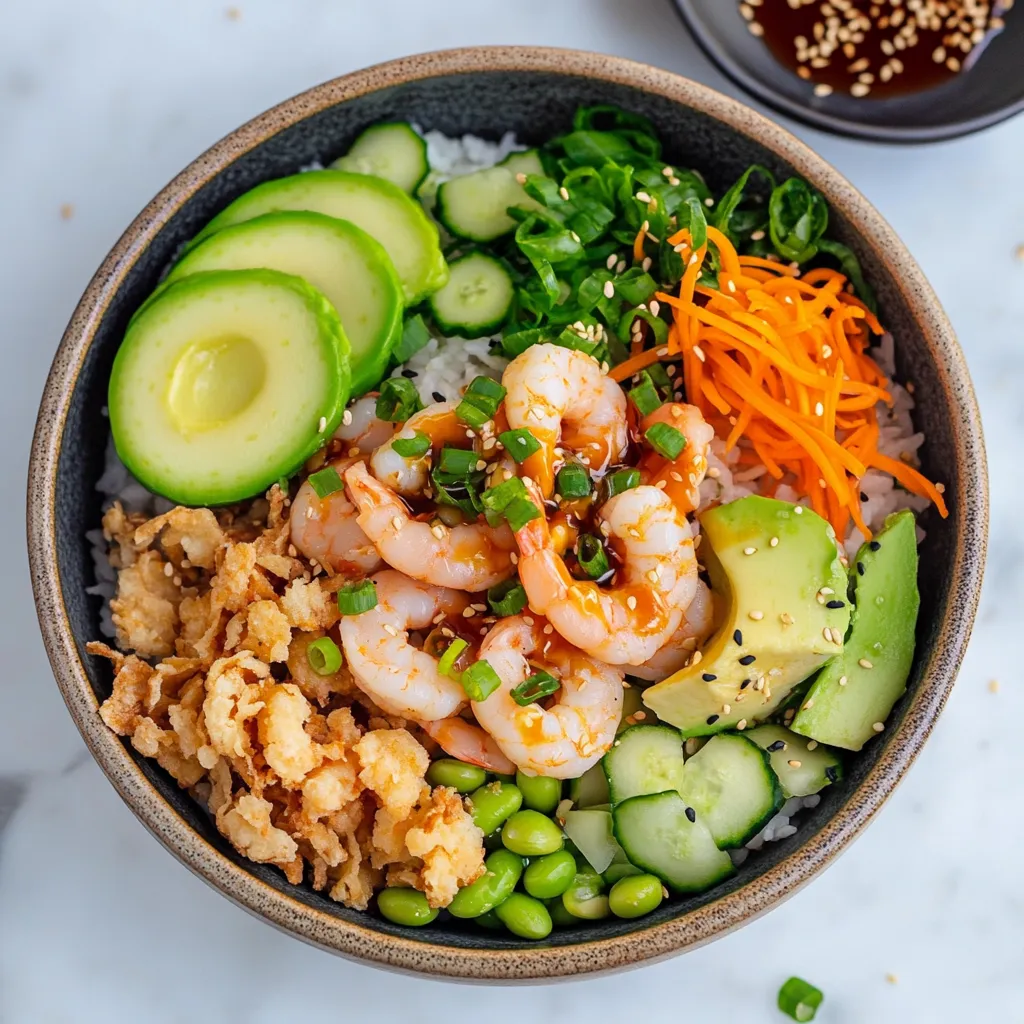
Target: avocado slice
343 261
776 569
857 691
225 382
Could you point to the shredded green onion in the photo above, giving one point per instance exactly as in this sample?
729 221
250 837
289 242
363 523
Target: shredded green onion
665 440
645 395
508 598
519 511
520 444
412 447
324 656
591 555
572 481
534 688
800 1000
480 680
325 482
450 656
357 598
621 480
398 400
457 461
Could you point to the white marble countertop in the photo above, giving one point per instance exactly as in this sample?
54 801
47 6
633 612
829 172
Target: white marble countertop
101 102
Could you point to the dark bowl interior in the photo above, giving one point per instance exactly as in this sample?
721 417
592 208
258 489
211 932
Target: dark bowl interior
990 91
534 104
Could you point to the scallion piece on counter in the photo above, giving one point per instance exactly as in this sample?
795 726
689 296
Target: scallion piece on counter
457 461
498 497
412 447
398 400
572 481
480 680
665 440
591 555
519 511
357 598
645 395
520 444
325 482
621 480
450 656
799 1000
534 688
508 598
324 656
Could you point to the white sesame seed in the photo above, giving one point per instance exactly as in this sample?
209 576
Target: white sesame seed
750 551
755 615
346 417
864 663
609 289
843 680
520 177
611 261
795 764
699 353
879 727
563 192
644 198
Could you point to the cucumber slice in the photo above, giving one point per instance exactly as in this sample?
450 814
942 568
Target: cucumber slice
590 789
656 835
632 702
476 300
801 771
381 209
591 831
394 152
225 382
731 786
343 261
475 206
644 759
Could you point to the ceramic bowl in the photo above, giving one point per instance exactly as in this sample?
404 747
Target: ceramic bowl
489 91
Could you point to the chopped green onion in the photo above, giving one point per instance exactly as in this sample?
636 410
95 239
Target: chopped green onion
591 555
323 656
508 598
398 400
534 688
450 656
472 414
415 335
357 598
645 395
662 381
572 481
519 511
486 388
799 1000
325 482
665 440
480 402
621 480
457 461
480 680
520 444
498 497
412 447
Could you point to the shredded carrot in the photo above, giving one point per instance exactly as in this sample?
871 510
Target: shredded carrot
778 362
638 246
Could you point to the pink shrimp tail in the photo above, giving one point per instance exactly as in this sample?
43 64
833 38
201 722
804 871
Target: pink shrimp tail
469 743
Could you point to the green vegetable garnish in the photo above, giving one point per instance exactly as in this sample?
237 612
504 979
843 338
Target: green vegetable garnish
799 1000
572 481
535 688
415 335
398 400
357 598
591 555
325 482
519 511
324 656
480 680
520 444
457 461
508 598
645 395
621 480
497 498
665 440
451 655
412 447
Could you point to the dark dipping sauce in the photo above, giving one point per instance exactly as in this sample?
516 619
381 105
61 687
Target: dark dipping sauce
875 50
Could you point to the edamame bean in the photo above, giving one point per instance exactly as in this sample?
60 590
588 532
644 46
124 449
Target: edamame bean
502 871
616 871
524 916
494 803
635 896
531 834
585 897
458 775
507 779
489 921
550 876
408 907
539 792
560 917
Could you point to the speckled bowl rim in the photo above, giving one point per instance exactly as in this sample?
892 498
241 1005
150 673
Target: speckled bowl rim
645 945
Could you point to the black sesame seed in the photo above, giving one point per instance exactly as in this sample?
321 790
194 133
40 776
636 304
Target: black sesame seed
831 774
712 719
409 374
744 684
691 814
835 604
777 746
738 638
709 677
875 546
860 568
437 396
863 496
747 659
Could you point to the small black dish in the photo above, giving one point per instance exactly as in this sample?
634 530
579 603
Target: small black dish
991 91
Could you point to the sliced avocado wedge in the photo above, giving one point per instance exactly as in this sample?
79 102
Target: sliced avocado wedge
341 260
775 569
377 206
225 382
858 690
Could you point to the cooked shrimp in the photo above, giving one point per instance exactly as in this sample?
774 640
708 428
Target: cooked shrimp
570 736
698 622
325 530
409 476
561 396
468 742
679 478
625 624
473 556
398 677
360 430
